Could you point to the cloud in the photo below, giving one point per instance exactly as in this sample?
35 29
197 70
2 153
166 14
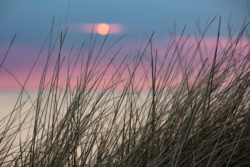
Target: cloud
114 28
22 57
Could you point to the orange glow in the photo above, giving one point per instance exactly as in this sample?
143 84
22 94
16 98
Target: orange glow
100 28
103 28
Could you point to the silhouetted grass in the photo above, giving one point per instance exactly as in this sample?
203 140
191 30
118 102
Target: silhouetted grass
184 108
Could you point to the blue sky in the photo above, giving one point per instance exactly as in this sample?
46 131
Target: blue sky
31 19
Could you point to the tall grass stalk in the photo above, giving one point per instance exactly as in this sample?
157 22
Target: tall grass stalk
184 108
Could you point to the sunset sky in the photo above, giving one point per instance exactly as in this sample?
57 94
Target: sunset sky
31 21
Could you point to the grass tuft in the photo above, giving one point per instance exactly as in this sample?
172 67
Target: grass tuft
187 107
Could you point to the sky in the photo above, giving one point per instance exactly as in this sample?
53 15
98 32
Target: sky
31 21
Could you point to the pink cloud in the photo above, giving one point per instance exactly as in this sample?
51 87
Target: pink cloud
207 44
22 57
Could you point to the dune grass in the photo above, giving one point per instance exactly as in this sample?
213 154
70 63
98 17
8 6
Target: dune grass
184 108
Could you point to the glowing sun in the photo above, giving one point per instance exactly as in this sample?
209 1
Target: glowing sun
103 28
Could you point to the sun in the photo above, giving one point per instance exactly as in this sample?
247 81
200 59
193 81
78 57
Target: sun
103 28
